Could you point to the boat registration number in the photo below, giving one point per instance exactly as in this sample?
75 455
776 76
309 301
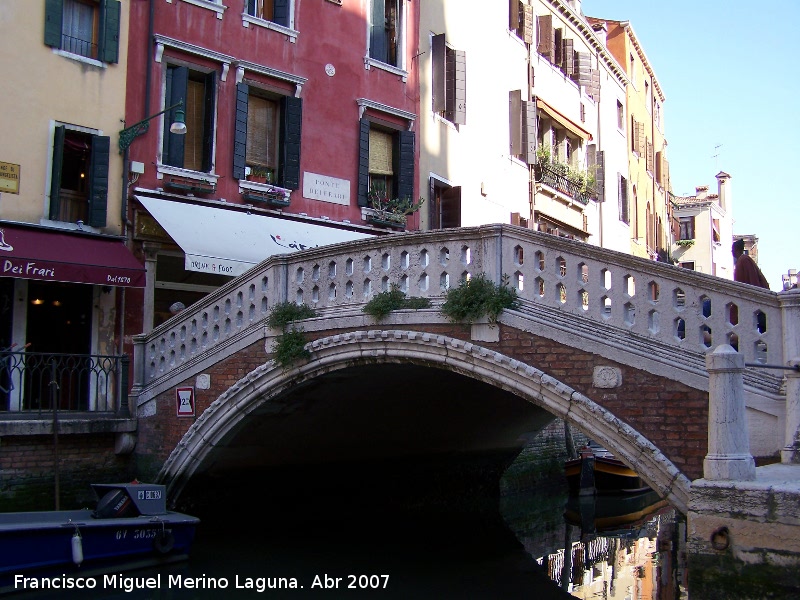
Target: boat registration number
148 495
137 534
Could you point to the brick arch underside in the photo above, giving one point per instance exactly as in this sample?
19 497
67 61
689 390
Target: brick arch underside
336 352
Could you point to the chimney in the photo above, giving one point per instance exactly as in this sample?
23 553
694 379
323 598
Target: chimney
576 6
724 186
700 192
600 31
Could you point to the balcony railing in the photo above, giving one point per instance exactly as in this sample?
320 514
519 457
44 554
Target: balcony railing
552 177
32 383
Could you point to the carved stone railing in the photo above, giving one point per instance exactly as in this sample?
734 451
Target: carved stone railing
619 301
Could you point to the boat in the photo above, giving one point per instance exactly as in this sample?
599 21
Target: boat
598 471
130 523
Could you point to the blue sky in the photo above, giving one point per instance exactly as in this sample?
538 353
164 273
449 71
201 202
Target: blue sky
728 72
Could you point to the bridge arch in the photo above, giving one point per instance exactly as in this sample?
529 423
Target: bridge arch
357 348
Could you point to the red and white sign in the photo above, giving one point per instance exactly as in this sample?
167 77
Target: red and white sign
184 397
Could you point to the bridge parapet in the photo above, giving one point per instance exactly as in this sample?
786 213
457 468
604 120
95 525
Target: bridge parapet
655 305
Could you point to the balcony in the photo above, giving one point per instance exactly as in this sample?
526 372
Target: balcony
555 177
38 385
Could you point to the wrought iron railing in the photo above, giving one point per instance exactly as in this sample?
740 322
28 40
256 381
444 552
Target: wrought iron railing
554 178
32 383
78 46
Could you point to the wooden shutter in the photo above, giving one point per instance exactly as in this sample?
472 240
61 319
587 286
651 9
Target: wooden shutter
451 207
262 132
208 121
177 82
438 52
456 86
546 44
583 66
527 24
659 168
98 180
404 164
600 176
649 158
568 57
513 14
666 175
55 176
240 131
515 121
280 12
363 163
109 46
291 133
530 132
641 138
594 85
53 12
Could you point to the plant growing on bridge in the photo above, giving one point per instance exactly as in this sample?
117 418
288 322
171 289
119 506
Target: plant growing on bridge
290 346
382 304
478 297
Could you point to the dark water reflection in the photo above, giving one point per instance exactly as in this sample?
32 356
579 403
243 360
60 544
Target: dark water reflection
440 548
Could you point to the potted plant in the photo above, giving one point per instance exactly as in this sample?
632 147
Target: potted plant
259 174
390 212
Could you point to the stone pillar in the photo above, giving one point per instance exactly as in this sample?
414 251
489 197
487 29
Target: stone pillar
150 258
728 445
790 307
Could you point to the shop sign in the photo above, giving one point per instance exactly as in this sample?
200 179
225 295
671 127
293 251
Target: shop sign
9 178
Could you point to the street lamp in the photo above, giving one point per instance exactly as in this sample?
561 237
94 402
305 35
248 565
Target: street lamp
127 135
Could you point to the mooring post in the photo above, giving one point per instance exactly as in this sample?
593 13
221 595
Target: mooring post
728 443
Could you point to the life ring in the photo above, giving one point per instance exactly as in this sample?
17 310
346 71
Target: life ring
164 542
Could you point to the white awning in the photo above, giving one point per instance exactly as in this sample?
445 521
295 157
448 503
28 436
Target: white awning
229 242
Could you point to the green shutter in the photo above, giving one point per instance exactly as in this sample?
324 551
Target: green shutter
53 11
378 40
291 131
98 180
55 178
280 12
404 165
177 82
438 51
109 48
240 132
210 89
363 163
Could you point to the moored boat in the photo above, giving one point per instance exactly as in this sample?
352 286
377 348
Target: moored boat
597 471
131 522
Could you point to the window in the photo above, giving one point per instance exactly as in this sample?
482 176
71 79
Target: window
445 205
386 162
620 116
632 70
79 181
268 132
449 81
687 265
386 32
648 98
194 150
686 228
520 20
624 208
277 11
88 28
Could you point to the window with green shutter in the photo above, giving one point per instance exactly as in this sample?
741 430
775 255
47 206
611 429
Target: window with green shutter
79 178
88 28
386 162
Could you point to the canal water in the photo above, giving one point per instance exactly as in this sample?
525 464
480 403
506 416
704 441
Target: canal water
325 541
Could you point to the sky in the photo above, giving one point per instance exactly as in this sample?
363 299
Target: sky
726 68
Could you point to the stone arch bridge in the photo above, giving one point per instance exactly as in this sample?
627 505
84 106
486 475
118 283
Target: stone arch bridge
613 344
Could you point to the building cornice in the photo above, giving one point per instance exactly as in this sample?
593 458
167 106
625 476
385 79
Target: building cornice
585 29
626 25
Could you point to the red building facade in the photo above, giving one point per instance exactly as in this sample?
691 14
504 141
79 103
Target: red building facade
294 110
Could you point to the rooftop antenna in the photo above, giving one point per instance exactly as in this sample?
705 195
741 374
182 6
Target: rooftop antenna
716 156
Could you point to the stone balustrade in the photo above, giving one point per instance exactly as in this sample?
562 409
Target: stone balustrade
660 307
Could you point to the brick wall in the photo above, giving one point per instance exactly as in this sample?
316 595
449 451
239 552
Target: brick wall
27 465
